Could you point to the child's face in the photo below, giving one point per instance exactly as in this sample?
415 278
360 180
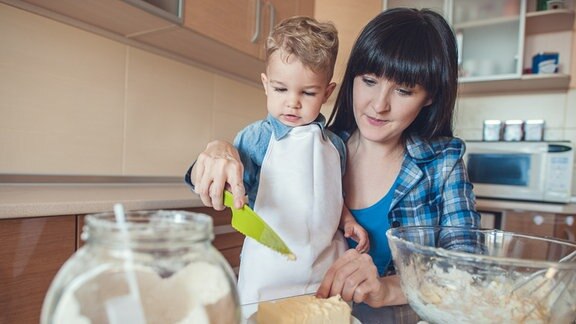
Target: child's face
294 93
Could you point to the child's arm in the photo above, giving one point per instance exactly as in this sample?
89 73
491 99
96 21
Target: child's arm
354 231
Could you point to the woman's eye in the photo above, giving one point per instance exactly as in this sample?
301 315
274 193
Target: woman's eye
279 89
404 91
368 81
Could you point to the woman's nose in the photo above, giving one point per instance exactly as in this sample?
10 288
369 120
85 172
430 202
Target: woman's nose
381 102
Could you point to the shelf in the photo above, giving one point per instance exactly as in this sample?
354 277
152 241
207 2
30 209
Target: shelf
548 21
528 82
486 22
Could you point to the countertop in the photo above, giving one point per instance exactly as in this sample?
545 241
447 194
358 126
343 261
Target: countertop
498 205
32 200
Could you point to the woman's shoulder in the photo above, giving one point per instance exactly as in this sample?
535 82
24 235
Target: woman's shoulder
448 148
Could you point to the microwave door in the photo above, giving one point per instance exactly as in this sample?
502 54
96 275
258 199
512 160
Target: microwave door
509 175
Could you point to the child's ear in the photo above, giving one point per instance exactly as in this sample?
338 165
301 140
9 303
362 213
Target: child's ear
329 89
264 79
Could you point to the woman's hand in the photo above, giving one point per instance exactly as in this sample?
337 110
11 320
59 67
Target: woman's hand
355 277
218 168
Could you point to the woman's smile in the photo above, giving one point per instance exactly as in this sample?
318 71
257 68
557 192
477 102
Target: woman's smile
376 121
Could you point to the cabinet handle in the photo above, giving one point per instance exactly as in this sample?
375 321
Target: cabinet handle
538 219
272 11
256 34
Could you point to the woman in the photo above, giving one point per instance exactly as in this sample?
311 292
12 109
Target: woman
404 167
394 110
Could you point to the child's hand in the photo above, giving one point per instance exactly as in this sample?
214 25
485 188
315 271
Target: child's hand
356 232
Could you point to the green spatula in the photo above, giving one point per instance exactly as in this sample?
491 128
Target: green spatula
247 222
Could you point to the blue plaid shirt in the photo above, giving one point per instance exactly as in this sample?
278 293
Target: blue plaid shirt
433 186
433 189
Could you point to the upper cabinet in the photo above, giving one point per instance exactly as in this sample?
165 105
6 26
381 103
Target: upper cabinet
497 40
224 35
490 37
241 24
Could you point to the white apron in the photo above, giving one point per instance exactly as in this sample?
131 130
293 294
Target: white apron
300 197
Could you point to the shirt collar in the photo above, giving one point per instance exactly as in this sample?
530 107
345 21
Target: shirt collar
280 130
420 150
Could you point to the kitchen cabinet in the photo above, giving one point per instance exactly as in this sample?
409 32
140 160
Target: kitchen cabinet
349 17
241 24
214 34
118 17
33 250
530 223
237 23
565 227
562 226
496 38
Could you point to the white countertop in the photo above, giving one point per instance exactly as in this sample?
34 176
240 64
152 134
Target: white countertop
30 200
498 205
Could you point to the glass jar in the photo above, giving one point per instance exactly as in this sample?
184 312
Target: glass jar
159 268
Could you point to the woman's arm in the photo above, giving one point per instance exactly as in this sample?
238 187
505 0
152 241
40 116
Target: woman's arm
355 277
218 168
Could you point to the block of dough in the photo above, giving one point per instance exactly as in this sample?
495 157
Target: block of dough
305 309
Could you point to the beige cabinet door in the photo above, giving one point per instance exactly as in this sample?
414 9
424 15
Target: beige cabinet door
350 17
33 250
236 23
277 10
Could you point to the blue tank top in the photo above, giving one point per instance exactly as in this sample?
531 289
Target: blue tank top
374 219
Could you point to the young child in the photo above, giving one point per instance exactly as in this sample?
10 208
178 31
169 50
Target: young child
293 166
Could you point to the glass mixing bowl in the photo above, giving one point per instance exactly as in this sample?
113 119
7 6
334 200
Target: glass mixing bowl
463 275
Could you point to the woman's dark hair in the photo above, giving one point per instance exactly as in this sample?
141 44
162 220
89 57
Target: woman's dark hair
410 47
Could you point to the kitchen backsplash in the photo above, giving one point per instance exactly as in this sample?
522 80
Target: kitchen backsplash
75 103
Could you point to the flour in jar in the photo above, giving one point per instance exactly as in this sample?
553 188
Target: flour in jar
191 295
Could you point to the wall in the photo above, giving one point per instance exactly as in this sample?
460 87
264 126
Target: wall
76 103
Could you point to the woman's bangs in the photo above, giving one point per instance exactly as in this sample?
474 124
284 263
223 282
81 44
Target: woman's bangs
409 63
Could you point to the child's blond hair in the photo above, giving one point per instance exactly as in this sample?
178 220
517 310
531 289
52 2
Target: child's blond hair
315 44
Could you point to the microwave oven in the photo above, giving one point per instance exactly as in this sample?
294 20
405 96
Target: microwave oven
533 171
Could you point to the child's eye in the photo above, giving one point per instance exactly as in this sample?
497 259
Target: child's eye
308 93
279 89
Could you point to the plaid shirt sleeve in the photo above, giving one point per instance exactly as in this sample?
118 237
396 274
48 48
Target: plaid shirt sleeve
458 197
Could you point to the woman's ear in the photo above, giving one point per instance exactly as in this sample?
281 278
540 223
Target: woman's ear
329 89
427 103
264 79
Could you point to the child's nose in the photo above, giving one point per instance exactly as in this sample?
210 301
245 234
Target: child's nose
294 101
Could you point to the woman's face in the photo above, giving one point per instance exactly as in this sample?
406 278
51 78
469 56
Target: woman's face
384 109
